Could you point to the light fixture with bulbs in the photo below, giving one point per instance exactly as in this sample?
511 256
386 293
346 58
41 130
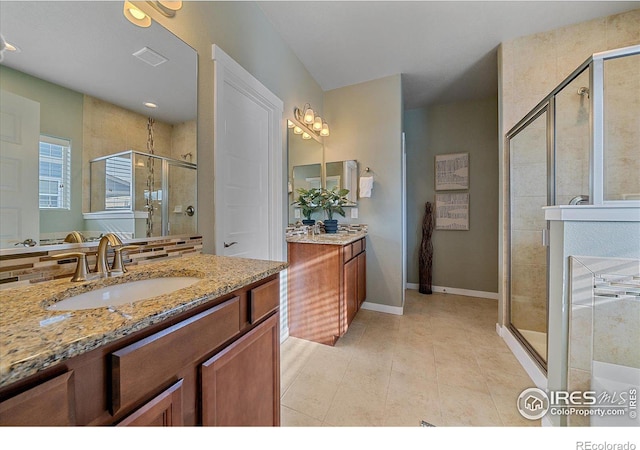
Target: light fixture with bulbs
308 124
136 16
139 18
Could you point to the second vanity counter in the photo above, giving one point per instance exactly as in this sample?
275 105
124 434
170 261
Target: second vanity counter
327 239
33 338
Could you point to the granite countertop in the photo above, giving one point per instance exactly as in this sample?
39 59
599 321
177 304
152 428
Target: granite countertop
32 338
331 239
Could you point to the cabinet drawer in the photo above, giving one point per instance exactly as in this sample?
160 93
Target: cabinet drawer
51 403
165 410
357 247
141 368
347 252
263 300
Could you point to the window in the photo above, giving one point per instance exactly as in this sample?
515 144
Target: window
55 177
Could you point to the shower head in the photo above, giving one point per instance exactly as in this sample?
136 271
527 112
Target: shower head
583 91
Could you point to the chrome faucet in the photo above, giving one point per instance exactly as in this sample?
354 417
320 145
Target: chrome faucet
102 265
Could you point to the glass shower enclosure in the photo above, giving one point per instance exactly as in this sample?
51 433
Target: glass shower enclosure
143 195
579 146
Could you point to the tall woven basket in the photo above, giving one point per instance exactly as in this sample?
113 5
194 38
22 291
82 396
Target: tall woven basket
425 265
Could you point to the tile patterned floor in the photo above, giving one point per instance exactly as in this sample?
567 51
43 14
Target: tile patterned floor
441 362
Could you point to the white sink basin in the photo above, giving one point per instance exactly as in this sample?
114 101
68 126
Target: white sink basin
122 294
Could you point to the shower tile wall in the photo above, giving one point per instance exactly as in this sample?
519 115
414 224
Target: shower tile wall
572 140
622 128
602 327
532 66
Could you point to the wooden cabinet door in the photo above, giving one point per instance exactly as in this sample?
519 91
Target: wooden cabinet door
241 384
165 410
351 288
51 403
362 278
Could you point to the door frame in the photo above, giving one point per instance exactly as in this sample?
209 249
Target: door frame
228 71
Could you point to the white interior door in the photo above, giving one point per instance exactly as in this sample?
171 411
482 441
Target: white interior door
19 142
248 164
243 165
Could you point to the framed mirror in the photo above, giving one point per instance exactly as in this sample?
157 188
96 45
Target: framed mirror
85 87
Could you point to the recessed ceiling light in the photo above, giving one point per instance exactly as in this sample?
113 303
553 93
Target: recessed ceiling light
150 105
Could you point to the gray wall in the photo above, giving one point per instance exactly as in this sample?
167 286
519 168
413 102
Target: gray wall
60 116
245 34
462 259
373 138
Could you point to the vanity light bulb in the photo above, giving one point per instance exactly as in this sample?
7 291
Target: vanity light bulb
317 123
290 124
136 16
306 136
297 130
325 130
136 13
309 116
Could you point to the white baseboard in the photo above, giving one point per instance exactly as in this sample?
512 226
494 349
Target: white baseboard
456 291
528 364
397 310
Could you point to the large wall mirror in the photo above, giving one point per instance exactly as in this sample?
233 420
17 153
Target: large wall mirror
308 169
82 148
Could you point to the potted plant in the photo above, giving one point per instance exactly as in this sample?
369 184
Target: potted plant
309 202
332 201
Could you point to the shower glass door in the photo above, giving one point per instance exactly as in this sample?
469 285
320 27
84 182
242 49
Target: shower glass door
529 193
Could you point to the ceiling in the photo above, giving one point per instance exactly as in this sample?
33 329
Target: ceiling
88 46
446 51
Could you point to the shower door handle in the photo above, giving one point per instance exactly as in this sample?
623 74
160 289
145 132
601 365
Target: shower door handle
545 237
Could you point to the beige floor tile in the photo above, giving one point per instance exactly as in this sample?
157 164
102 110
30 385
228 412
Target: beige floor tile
503 382
441 362
294 355
291 418
500 359
462 375
370 376
310 395
411 398
508 411
356 406
327 362
465 407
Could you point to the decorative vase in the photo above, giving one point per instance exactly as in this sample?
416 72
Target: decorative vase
308 222
331 226
426 252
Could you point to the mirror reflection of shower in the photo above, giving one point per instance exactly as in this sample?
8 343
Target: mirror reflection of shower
583 112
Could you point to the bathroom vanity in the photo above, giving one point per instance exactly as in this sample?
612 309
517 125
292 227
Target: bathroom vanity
207 354
326 284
